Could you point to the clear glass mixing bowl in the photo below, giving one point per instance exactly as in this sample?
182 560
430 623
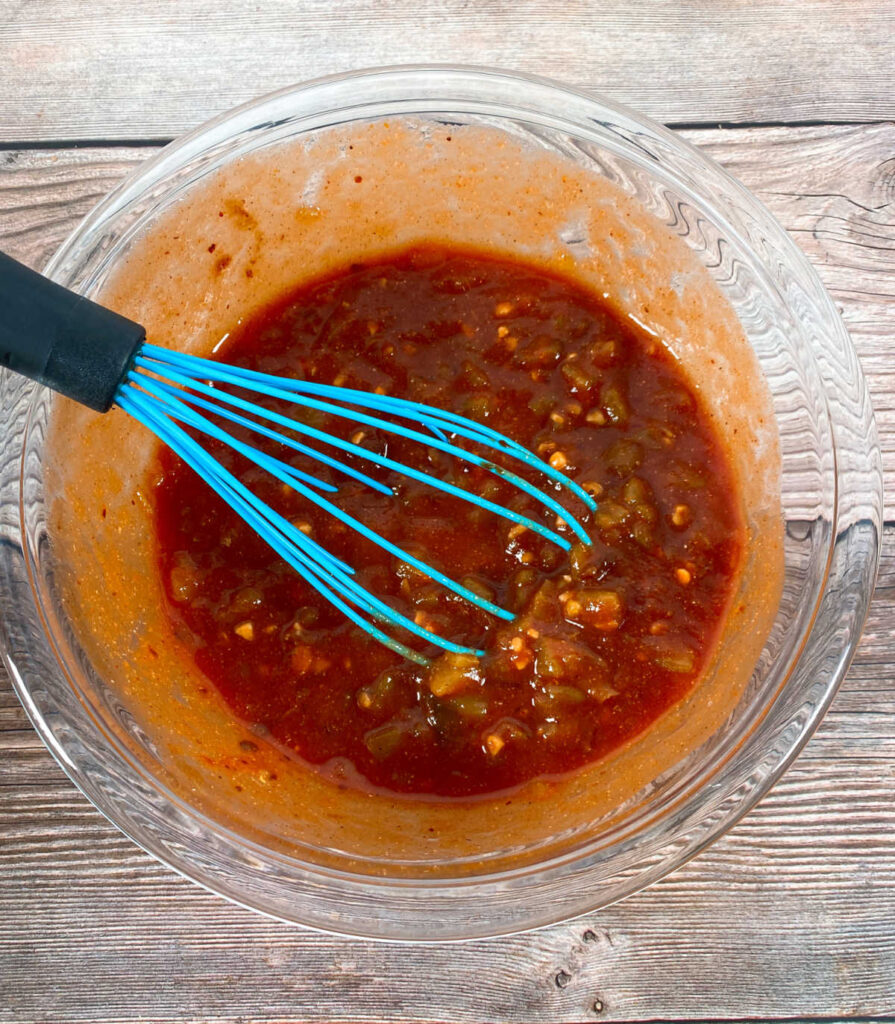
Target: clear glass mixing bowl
831 497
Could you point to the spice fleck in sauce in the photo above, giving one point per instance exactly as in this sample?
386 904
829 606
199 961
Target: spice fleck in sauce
606 637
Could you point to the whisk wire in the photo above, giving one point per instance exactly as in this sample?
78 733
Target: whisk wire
165 389
460 453
279 533
381 460
322 580
177 409
148 413
275 435
296 391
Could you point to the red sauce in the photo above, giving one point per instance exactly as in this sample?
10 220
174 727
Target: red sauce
605 638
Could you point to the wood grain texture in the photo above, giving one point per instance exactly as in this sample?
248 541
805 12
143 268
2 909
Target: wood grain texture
790 916
102 69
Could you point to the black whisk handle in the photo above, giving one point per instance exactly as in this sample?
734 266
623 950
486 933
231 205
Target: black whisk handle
61 339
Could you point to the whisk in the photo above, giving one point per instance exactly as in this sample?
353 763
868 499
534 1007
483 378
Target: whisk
101 359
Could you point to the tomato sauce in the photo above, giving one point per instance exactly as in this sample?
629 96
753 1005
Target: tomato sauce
605 637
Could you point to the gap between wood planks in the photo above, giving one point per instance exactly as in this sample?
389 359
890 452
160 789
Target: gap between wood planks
123 142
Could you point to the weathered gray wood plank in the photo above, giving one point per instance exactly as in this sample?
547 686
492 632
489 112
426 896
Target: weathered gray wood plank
789 916
101 69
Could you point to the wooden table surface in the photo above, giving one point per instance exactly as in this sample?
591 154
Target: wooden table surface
790 916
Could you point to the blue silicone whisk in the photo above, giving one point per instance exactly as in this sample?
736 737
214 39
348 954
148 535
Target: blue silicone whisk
100 359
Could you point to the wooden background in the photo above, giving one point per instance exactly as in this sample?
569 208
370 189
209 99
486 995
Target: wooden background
789 917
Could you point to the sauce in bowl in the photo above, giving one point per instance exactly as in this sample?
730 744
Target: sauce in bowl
606 637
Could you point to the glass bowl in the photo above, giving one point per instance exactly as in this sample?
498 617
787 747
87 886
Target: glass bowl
830 493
